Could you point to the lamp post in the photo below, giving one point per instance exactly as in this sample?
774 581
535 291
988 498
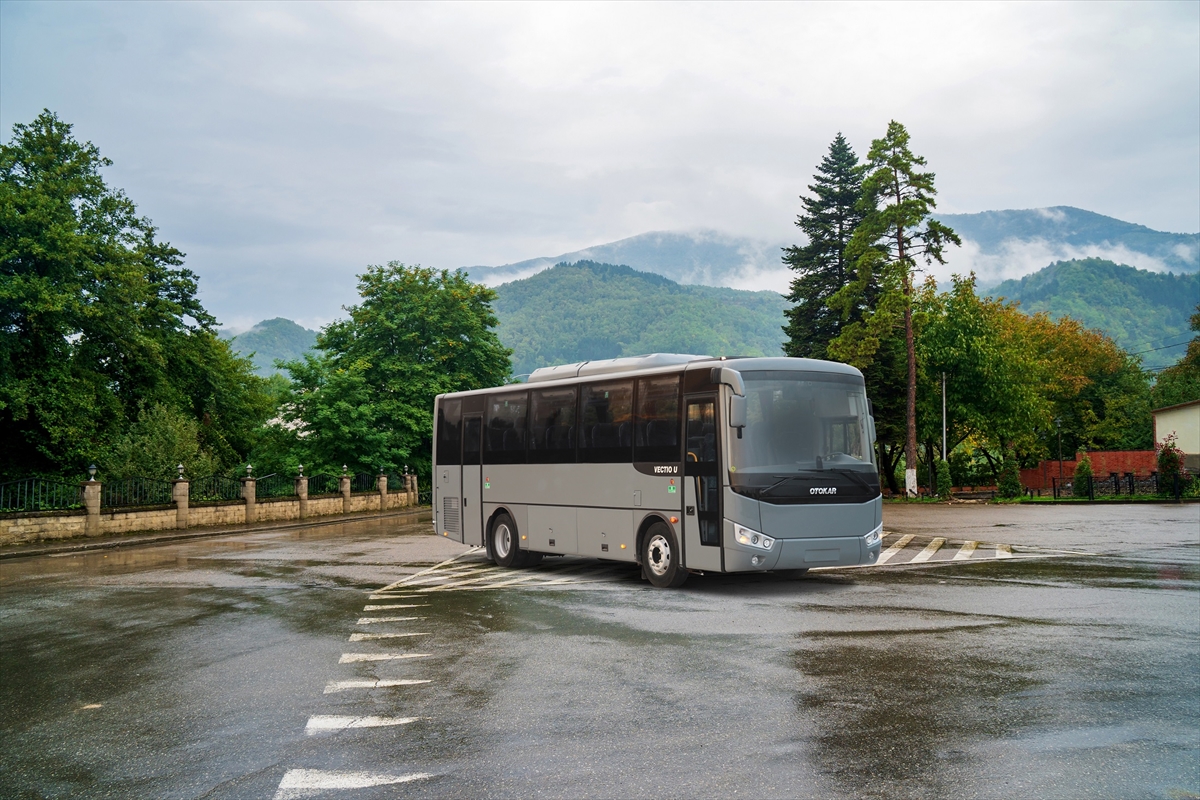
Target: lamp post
1058 425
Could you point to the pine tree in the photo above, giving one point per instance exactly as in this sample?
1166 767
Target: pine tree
828 220
895 232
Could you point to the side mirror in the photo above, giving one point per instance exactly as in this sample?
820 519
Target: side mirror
737 412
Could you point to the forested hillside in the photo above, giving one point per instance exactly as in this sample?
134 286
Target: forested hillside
1140 310
587 311
271 340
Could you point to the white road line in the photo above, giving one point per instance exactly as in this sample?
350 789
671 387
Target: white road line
891 552
966 551
369 620
534 575
385 607
324 722
351 658
383 683
392 596
299 783
405 580
1004 551
368 637
929 550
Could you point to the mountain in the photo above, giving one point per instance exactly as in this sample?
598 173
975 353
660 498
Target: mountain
1000 245
997 245
1145 312
703 257
587 311
272 339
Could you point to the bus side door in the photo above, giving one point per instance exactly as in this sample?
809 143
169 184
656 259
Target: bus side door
701 485
472 480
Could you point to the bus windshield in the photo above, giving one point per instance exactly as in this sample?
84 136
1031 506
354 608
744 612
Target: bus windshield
806 432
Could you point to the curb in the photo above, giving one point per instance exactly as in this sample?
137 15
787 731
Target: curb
81 546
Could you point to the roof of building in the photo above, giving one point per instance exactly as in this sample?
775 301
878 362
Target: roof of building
1177 405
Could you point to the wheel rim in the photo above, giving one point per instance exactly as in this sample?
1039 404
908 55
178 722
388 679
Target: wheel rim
658 554
502 540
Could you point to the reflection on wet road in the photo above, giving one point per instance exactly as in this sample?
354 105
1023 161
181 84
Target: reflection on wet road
371 660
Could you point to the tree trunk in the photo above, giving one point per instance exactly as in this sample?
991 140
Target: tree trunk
910 443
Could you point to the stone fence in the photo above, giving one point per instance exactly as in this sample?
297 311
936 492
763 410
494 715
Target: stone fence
91 520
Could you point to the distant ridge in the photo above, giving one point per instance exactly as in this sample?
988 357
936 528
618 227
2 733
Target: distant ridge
270 340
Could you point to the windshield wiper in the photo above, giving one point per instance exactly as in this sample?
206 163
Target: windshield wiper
853 475
782 480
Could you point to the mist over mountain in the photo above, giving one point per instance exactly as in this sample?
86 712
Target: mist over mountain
997 245
1144 312
272 339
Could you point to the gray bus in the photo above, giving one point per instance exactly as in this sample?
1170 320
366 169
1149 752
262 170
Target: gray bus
679 463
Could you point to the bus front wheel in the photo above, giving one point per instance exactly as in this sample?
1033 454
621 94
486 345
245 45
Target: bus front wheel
660 557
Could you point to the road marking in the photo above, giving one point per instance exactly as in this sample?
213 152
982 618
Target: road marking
408 578
386 607
299 783
350 658
891 552
369 620
1004 551
383 683
392 596
367 637
966 551
324 722
928 552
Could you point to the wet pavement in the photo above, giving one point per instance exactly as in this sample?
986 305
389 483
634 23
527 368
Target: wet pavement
1059 656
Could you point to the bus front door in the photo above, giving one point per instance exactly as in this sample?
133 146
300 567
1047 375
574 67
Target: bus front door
702 486
472 480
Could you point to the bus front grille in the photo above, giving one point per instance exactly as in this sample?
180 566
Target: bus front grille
450 514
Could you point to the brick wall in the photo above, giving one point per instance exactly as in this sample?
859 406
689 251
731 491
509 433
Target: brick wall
1104 462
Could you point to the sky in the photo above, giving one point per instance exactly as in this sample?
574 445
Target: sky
284 147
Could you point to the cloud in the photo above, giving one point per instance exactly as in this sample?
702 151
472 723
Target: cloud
1014 258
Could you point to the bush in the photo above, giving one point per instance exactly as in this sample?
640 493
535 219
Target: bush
1083 477
1170 465
1010 479
943 479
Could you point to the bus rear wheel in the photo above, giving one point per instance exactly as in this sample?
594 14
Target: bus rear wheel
505 548
660 557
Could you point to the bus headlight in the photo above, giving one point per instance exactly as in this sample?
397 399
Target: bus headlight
874 536
752 538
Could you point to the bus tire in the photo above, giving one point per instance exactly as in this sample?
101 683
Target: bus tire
503 542
660 557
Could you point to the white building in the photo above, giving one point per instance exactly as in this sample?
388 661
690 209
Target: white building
1182 420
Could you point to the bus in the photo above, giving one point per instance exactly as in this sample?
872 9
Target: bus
680 463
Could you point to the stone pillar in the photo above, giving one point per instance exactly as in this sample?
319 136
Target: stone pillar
91 504
248 496
179 493
381 482
302 493
344 488
413 494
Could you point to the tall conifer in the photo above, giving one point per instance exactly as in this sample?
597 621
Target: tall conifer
828 220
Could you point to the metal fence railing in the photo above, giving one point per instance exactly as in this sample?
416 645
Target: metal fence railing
214 488
127 492
274 485
39 494
1116 485
424 497
363 482
322 484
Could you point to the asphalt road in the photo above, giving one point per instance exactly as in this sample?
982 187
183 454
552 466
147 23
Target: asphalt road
1000 652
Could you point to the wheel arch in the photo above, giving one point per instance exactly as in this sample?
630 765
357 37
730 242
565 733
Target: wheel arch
644 527
487 529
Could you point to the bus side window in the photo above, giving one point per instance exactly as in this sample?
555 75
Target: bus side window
504 440
606 427
449 433
552 426
658 420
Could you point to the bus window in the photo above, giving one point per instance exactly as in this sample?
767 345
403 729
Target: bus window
505 437
552 426
606 428
658 420
449 432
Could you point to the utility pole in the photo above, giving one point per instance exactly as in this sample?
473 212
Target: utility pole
1058 425
943 416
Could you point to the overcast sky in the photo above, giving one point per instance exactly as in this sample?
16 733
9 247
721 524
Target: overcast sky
285 146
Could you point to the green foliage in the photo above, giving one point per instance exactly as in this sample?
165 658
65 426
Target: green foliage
1082 481
944 484
365 399
828 220
588 311
1170 460
159 439
1138 309
1180 383
271 341
1010 479
98 318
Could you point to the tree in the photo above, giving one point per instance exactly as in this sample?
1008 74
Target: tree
366 398
1180 383
98 318
828 220
896 232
